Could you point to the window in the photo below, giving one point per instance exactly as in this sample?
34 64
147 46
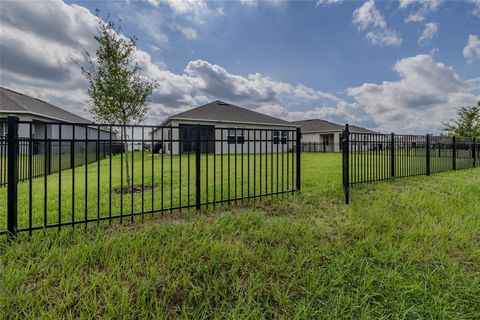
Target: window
232 137
236 136
284 137
240 136
276 136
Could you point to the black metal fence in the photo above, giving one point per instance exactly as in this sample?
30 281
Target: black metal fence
158 169
370 157
315 147
44 156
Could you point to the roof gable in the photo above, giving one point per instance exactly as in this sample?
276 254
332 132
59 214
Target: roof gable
314 125
226 112
319 125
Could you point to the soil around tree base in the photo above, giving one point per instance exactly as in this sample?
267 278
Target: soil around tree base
134 189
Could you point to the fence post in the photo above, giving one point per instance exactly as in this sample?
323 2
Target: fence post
72 146
474 152
428 154
299 138
12 176
345 163
49 155
392 155
454 153
197 168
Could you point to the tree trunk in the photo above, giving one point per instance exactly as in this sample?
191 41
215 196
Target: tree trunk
126 159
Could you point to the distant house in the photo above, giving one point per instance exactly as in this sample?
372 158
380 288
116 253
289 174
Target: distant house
224 128
324 133
26 108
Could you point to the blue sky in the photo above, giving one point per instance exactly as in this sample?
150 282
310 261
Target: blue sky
389 65
300 42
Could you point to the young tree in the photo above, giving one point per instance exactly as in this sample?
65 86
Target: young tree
118 93
467 123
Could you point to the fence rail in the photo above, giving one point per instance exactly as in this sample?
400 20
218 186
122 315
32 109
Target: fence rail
370 157
316 147
107 172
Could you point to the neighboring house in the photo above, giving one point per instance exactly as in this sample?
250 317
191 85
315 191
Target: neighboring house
232 124
28 108
44 119
325 134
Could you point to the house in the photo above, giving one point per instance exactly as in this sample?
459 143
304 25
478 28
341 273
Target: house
224 128
323 134
43 121
40 113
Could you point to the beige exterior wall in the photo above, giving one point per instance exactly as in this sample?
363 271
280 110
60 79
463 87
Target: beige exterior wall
252 132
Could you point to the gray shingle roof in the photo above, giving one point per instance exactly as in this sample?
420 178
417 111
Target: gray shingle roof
15 102
226 112
318 125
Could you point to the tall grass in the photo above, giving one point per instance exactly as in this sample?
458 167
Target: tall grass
406 249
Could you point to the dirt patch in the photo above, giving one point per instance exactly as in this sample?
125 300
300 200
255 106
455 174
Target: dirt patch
134 189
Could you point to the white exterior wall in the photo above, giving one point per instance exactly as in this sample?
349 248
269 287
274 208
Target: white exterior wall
332 138
311 137
261 134
53 129
336 141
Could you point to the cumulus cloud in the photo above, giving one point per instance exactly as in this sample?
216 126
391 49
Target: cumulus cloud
430 31
471 52
426 94
39 51
420 8
368 17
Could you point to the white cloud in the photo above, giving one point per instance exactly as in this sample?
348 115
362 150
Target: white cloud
426 94
249 3
369 17
471 52
420 8
254 3
182 6
385 37
184 16
327 2
430 30
188 32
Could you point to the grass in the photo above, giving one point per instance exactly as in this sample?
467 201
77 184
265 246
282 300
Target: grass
406 249
85 192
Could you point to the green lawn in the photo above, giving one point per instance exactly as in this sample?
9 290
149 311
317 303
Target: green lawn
406 249
85 192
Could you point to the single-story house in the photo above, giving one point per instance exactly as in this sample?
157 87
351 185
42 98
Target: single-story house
323 134
225 128
45 119
27 108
